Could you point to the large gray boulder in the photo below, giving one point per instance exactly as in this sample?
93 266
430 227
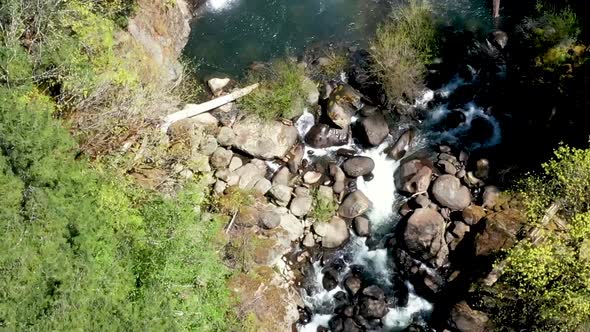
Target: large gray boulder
413 176
333 233
465 319
424 236
262 139
375 129
402 145
300 206
358 166
354 205
449 192
322 136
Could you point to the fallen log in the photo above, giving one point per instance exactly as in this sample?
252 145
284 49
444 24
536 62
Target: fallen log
191 110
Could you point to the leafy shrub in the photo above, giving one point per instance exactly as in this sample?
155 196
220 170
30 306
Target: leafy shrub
280 94
550 279
402 48
82 250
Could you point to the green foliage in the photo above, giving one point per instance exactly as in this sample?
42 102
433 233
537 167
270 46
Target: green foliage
402 48
81 250
550 279
323 208
280 94
337 63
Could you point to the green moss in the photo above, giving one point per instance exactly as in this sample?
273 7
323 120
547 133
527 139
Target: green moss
280 94
323 208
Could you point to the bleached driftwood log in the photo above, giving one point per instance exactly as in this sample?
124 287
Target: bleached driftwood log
191 110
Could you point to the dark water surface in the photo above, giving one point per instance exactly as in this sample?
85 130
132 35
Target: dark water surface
231 34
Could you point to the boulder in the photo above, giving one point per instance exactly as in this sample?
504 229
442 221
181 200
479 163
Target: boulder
499 39
270 219
341 115
247 216
449 192
330 280
310 91
295 158
374 129
372 303
262 186
361 226
413 176
402 145
482 169
206 120
473 214
309 241
281 194
490 196
322 136
217 84
352 284
499 232
354 205
333 233
457 233
219 187
263 139
312 177
235 163
301 191
249 175
447 167
208 145
465 319
424 236
293 226
221 158
281 177
300 206
358 166
339 178
226 136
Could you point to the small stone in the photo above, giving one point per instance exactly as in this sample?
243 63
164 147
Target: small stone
302 192
358 166
362 226
208 145
217 84
282 194
221 158
235 163
226 136
219 187
186 174
447 167
490 196
281 177
309 241
205 119
293 226
300 206
312 177
262 186
270 219
473 214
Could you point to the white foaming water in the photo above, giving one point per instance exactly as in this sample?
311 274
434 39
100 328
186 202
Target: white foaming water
472 112
219 5
400 317
381 189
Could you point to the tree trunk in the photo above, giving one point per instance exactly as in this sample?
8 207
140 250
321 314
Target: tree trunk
496 9
191 110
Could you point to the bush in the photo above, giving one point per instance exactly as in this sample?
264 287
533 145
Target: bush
550 279
402 48
82 250
280 94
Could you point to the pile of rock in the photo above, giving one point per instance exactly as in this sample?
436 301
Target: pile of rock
451 220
